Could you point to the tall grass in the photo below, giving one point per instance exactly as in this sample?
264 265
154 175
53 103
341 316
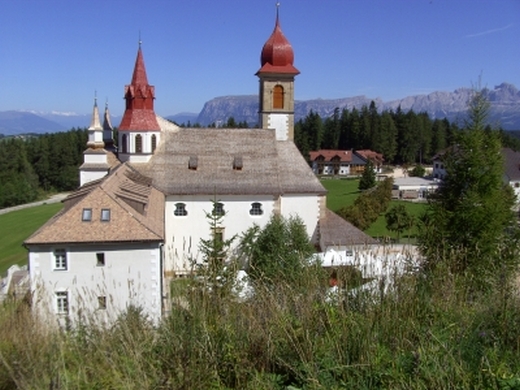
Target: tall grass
426 333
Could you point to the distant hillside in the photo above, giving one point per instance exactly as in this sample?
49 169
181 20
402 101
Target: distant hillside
18 122
504 99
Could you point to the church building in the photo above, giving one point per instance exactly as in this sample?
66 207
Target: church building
139 215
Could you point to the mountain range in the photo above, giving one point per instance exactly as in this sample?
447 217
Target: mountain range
504 99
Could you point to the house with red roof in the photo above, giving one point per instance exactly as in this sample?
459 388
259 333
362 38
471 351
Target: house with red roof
344 162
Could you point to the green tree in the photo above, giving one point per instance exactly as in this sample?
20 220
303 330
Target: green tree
277 252
398 220
417 171
368 178
470 216
217 269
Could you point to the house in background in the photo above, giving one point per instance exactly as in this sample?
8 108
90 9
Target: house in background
344 162
139 216
511 168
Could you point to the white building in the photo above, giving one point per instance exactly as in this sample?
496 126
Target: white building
137 220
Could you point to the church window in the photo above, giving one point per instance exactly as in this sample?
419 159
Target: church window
62 302
154 143
60 260
86 216
124 142
218 209
278 96
180 210
256 209
100 259
138 143
105 215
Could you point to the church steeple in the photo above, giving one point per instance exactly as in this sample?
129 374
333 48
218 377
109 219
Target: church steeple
276 76
108 130
139 131
95 131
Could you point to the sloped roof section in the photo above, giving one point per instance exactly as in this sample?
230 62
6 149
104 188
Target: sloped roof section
128 222
335 231
330 154
268 166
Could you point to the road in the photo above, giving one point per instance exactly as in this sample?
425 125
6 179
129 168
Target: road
53 199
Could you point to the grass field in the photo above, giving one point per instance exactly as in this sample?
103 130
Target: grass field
343 192
15 227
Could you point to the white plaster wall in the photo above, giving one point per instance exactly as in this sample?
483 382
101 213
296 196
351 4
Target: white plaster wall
96 158
307 207
280 122
183 233
88 176
131 276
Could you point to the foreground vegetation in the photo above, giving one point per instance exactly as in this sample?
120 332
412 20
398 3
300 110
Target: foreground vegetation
428 333
15 227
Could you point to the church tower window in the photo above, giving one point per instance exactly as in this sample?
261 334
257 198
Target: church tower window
154 142
278 97
138 143
124 142
180 210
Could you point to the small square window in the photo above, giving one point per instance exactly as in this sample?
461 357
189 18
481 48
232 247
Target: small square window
87 215
102 303
60 260
100 259
105 215
180 210
62 302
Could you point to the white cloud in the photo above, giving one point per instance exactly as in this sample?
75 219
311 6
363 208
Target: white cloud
492 31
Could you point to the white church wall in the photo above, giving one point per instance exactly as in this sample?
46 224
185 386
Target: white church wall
183 233
279 122
98 287
88 176
307 207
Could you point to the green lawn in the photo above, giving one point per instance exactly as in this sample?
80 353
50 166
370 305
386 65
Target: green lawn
343 192
15 227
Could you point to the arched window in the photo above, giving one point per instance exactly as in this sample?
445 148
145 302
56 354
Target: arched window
124 141
154 142
218 209
138 143
256 209
180 210
278 96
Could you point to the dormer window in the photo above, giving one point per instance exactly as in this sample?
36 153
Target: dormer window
180 210
218 209
193 163
238 163
86 216
256 209
105 215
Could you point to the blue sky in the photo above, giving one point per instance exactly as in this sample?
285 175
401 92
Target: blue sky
55 53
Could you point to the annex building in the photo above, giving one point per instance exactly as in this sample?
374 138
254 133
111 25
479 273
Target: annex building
139 215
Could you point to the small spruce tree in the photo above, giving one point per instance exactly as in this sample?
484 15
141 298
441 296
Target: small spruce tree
368 178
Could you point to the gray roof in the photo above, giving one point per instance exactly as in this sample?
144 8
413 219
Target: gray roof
335 231
191 161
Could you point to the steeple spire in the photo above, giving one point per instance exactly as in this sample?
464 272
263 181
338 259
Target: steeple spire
95 131
108 130
139 95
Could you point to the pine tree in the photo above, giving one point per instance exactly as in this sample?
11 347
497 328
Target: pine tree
368 178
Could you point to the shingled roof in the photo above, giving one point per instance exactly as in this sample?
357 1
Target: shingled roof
192 161
136 212
335 231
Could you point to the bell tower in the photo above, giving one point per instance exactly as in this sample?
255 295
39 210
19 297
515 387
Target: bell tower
276 76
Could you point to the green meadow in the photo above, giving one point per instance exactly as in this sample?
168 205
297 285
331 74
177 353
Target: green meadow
343 192
15 227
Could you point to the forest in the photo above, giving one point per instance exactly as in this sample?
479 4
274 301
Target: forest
35 165
402 137
32 166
